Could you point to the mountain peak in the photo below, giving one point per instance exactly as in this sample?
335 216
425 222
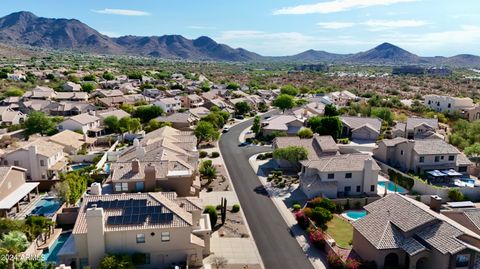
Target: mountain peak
387 46
21 17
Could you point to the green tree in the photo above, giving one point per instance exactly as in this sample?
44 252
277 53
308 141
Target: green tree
256 127
207 170
108 76
112 123
146 113
292 154
128 124
305 133
283 102
205 87
473 152
326 126
455 195
77 185
242 108
119 261
212 212
330 110
205 132
290 90
153 125
37 122
127 108
88 87
321 216
384 114
14 91
135 74
233 86
89 77
3 75
216 119
14 243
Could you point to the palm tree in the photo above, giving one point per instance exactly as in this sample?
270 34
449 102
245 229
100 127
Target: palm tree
14 242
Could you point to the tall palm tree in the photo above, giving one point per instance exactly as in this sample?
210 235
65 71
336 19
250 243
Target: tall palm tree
14 242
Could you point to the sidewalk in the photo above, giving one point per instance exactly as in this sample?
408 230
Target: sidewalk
279 198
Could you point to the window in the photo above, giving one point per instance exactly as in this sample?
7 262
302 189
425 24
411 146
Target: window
60 127
347 189
348 175
118 187
462 169
5 162
140 238
372 187
429 102
16 163
441 157
449 105
401 152
42 163
422 159
451 158
462 260
165 236
358 188
437 159
125 186
139 186
331 176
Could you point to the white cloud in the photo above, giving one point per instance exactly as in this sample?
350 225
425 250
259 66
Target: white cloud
335 25
110 34
123 12
335 6
378 25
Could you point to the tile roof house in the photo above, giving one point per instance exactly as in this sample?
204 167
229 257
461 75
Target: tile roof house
339 176
181 121
71 141
119 113
71 87
71 96
361 128
88 123
165 229
166 158
282 123
317 147
40 92
169 105
421 155
401 232
420 127
13 189
68 108
9 116
191 101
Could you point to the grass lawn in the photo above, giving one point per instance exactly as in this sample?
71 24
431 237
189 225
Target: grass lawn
341 231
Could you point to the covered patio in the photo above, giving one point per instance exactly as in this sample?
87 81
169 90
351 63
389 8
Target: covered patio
15 198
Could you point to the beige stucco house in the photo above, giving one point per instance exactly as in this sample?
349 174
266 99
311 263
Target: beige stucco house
288 124
447 104
14 188
339 176
159 229
361 128
87 123
403 233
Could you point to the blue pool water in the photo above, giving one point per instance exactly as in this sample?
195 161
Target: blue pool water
355 214
391 187
79 166
50 254
46 207
468 180
107 168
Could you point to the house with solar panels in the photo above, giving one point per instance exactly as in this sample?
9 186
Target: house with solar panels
159 230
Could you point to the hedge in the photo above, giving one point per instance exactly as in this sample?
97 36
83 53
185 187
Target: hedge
400 179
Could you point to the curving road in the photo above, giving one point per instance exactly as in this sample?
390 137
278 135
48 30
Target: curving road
278 249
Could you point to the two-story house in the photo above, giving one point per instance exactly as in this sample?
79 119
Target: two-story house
87 123
448 104
339 176
14 189
169 105
191 101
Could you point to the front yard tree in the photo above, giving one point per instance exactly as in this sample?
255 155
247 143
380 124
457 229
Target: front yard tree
256 127
14 243
37 122
292 154
305 133
205 132
330 111
88 87
146 113
284 101
112 123
326 126
290 90
242 108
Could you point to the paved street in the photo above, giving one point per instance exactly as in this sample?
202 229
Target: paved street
277 247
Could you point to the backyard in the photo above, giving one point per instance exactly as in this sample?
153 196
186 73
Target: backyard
341 230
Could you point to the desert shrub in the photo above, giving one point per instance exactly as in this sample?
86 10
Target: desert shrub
212 212
215 154
281 185
202 154
302 220
235 208
269 178
455 195
297 207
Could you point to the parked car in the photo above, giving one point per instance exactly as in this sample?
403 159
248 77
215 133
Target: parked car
226 129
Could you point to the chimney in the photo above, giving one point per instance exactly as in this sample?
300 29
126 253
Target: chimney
135 166
369 177
435 203
96 235
96 189
85 137
92 112
150 177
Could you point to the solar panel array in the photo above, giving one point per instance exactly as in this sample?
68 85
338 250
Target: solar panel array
134 212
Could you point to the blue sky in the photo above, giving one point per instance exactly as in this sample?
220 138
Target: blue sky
283 27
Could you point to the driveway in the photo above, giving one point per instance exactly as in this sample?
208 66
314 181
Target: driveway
277 247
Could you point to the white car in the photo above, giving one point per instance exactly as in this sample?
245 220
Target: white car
226 129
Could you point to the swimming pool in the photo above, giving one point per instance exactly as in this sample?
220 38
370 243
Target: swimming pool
392 187
354 214
79 166
50 254
46 207
107 168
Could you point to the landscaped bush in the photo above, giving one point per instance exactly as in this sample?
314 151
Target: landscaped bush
308 212
334 262
455 195
343 141
202 154
268 155
277 173
321 216
401 180
215 154
317 237
302 220
269 178
297 207
352 264
212 212
235 208
357 205
261 157
249 140
322 202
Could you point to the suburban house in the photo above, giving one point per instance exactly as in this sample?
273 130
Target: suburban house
43 160
35 105
87 123
317 147
339 176
113 101
191 101
361 128
40 92
119 113
341 98
472 113
68 108
199 112
72 142
166 159
448 104
71 87
181 121
71 96
309 110
9 116
159 229
153 93
400 232
169 105
416 128
108 93
14 189
421 155
288 124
